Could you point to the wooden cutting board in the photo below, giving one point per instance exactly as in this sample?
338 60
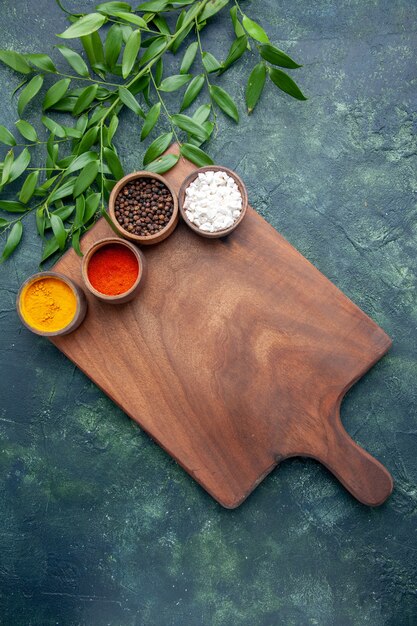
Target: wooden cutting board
235 356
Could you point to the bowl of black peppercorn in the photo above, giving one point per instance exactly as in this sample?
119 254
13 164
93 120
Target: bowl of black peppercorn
143 208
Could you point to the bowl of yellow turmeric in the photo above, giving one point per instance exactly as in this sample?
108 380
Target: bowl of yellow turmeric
51 304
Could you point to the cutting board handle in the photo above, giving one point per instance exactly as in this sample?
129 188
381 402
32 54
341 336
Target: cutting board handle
361 474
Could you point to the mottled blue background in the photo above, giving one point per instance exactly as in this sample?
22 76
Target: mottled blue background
99 526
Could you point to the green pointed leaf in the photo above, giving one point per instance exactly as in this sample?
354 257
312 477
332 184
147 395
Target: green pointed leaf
19 165
195 155
3 222
161 24
211 8
202 113
40 221
85 99
192 91
189 57
51 246
88 140
11 206
29 92
85 178
16 61
172 83
53 126
153 5
237 49
190 126
81 161
74 60
91 206
113 45
12 241
157 147
75 242
237 26
42 62
28 188
64 212
79 211
130 101
56 92
254 30
225 102
285 83
132 18
210 62
254 88
63 191
130 53
6 136
93 47
27 130
59 231
84 26
154 49
159 71
277 57
114 163
165 163
108 8
150 120
7 167
114 123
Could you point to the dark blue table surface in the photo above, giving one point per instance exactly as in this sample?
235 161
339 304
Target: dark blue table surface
98 526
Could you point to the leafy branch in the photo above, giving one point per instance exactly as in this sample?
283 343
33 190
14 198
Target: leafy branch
125 54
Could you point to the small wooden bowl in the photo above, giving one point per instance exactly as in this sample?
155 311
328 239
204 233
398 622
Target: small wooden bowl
80 311
137 285
160 235
181 199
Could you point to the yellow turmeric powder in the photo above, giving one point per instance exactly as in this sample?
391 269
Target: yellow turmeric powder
48 304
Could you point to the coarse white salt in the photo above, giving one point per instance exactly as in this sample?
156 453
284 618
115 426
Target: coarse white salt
213 201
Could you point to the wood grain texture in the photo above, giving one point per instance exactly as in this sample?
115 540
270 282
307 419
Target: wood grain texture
235 356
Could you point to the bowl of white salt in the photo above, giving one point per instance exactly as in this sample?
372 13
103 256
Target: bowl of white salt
213 201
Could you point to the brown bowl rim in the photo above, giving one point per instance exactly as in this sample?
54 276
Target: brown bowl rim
100 243
138 238
242 188
80 311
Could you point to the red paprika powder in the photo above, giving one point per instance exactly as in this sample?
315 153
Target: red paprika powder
113 269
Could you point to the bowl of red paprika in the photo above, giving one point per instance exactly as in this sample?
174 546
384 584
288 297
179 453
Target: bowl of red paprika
114 270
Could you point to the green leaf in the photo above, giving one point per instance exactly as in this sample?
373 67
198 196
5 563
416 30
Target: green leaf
130 101
40 221
11 206
114 163
157 147
51 246
19 165
114 123
29 92
277 57
189 57
91 206
12 241
161 24
6 136
81 161
237 49
225 102
56 92
163 164
64 212
42 62
16 61
254 88
211 8
7 167
210 62
154 49
53 126
113 45
79 211
150 120
130 53
85 178
93 47
195 155
254 30
153 5
192 91
202 113
59 231
3 222
88 140
132 18
108 8
190 126
159 70
75 242
237 26
172 83
84 26
63 191
85 99
27 130
74 60
285 83
29 187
